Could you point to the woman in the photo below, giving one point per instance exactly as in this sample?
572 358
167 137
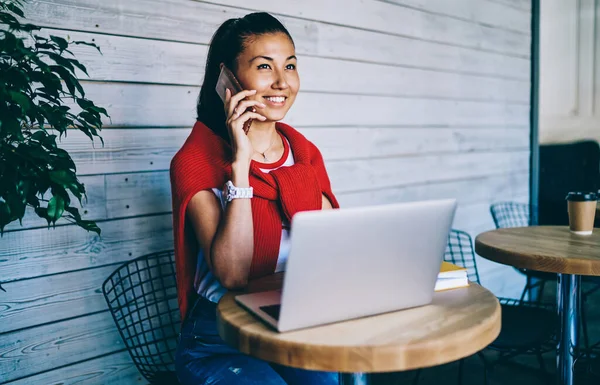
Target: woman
225 236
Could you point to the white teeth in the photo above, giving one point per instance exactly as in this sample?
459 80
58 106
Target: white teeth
276 99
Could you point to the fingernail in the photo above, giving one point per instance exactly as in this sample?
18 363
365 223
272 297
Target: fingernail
253 91
262 105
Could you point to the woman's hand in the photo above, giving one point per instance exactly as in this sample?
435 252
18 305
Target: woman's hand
235 111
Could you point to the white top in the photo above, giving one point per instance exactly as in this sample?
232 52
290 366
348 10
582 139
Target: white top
206 283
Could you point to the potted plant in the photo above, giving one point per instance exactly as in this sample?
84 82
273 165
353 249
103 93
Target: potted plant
41 99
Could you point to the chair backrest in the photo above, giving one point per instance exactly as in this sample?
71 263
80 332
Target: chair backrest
142 298
459 251
510 214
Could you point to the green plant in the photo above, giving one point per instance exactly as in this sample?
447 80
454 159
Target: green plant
40 100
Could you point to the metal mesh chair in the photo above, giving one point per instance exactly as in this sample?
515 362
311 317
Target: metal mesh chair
527 327
510 214
513 214
142 298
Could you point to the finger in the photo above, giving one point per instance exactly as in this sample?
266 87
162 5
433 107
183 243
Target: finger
227 101
235 99
249 115
244 105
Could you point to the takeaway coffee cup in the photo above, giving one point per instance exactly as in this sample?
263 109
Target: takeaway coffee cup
582 210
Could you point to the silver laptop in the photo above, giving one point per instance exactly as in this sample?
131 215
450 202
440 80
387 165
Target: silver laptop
357 262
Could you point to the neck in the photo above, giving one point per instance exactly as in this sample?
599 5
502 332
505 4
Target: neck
261 133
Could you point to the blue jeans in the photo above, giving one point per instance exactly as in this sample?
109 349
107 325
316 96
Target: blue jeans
202 357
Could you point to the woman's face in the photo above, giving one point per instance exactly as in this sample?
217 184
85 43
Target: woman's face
268 65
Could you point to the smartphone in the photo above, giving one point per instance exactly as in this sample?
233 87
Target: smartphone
228 80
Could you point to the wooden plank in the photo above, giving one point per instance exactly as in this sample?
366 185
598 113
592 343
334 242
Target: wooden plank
476 11
523 5
32 253
179 22
30 351
93 207
389 18
141 60
142 105
31 302
114 369
381 173
467 191
138 193
126 150
361 142
129 150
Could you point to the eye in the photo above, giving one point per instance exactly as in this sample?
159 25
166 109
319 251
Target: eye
263 66
290 67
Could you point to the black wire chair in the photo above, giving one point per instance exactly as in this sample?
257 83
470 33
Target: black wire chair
142 298
527 327
512 214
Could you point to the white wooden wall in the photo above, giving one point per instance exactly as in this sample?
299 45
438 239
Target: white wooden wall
407 99
569 70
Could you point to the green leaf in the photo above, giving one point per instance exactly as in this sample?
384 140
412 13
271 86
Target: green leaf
15 9
21 99
62 43
62 177
5 217
80 66
56 207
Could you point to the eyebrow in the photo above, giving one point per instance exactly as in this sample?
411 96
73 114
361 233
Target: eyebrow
270 58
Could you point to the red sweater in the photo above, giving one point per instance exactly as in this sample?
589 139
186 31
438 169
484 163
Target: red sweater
204 162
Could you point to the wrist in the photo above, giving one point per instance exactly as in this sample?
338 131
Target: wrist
240 172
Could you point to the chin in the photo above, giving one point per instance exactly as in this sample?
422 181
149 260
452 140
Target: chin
275 117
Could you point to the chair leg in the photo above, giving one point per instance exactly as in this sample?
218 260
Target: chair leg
417 376
545 374
540 294
526 289
460 370
485 367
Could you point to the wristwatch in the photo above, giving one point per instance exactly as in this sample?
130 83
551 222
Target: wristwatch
232 192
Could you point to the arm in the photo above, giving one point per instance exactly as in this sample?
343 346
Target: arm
227 238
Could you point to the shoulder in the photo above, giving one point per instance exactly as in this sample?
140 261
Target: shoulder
202 156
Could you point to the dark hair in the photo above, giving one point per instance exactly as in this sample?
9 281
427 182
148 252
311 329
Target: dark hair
227 43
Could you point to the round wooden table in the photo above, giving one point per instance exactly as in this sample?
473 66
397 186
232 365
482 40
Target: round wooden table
552 249
457 324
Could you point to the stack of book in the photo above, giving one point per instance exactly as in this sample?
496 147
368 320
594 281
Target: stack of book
451 277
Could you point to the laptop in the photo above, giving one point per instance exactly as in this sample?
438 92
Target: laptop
350 263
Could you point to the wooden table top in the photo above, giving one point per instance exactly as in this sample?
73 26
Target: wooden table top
458 323
544 248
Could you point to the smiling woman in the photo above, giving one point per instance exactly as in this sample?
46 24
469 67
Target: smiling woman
236 183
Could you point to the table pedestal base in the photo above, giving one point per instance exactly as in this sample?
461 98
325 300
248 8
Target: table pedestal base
568 293
353 379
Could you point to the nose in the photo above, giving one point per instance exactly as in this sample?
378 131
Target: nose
280 82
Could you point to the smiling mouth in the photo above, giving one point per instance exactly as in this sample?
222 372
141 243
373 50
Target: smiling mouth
276 100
